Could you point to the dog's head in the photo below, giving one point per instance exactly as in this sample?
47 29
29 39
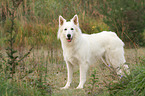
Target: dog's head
68 29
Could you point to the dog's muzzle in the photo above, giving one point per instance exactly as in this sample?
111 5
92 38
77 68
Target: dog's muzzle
69 38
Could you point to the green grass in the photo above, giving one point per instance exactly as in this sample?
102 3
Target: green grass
45 71
40 34
131 85
11 88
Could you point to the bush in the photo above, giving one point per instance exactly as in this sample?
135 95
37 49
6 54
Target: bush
131 85
8 88
127 18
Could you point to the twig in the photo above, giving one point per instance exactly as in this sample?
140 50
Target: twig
2 57
25 55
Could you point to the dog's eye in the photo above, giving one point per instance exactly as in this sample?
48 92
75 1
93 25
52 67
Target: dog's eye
65 29
72 28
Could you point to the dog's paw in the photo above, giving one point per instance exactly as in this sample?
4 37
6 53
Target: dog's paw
79 87
66 87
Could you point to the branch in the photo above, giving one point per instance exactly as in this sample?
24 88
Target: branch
25 55
16 3
1 56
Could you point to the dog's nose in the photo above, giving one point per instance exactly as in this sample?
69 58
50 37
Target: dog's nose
68 35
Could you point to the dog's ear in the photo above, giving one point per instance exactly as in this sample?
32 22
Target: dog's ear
61 20
75 20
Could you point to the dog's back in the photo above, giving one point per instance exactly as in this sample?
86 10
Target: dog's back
108 45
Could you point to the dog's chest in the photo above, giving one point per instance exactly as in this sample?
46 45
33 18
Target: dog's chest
72 58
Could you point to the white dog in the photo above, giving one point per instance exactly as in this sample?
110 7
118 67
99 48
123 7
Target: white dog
83 49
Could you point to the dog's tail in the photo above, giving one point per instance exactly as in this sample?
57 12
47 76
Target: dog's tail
116 59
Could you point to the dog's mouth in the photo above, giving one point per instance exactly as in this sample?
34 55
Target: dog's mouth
69 39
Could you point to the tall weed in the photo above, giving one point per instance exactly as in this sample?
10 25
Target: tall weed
132 85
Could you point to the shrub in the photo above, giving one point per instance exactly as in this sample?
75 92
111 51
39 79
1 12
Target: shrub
127 18
131 85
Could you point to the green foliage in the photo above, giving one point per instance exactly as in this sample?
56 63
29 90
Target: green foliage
43 87
126 85
29 79
12 60
36 23
37 17
132 85
127 18
8 88
93 83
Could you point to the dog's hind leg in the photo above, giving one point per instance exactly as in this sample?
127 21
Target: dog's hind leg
106 63
70 75
116 59
83 72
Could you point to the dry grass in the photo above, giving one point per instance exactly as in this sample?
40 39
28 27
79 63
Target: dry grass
49 66
45 66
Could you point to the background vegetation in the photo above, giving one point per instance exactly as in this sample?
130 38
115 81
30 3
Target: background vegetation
31 61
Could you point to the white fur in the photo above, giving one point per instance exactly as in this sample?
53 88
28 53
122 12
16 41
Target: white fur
85 49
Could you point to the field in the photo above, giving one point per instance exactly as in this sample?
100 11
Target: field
31 59
45 70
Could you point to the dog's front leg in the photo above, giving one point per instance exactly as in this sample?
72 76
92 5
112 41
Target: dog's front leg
83 73
70 75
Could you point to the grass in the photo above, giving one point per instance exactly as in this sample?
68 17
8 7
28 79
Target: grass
45 71
40 34
17 89
132 85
